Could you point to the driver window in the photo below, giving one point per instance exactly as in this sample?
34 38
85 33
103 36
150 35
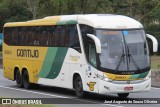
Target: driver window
89 45
92 54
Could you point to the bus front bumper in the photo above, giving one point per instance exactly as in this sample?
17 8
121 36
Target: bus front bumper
124 87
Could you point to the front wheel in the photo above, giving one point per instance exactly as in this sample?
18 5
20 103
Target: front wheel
79 87
26 82
123 95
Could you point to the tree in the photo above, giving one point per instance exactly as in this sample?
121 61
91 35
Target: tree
32 6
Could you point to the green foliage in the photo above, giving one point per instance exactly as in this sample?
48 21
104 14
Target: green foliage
11 11
154 30
145 11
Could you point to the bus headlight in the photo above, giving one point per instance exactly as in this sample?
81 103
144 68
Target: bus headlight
104 78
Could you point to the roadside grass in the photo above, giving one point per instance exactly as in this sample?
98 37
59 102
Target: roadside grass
155 62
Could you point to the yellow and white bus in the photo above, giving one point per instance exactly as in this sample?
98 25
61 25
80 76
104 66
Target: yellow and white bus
99 53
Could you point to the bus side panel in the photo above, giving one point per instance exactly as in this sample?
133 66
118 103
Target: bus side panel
72 63
54 68
77 63
59 81
30 58
33 67
8 68
87 72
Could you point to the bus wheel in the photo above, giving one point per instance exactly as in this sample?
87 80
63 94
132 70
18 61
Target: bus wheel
26 82
19 81
123 95
79 87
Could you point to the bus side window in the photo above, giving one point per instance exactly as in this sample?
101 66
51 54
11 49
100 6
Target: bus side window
73 37
59 29
14 36
56 36
21 37
26 39
31 40
49 37
66 38
7 35
41 36
63 32
46 36
36 39
52 33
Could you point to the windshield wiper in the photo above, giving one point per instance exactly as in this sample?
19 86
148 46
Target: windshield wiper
122 58
132 59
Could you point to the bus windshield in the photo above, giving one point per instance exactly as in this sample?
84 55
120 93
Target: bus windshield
123 50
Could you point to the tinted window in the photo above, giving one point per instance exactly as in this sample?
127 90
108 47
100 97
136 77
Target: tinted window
55 36
7 37
87 42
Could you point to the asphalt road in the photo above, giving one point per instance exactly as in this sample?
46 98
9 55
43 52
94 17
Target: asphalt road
8 89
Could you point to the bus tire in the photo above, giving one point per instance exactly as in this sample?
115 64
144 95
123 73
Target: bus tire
26 83
79 87
123 95
19 80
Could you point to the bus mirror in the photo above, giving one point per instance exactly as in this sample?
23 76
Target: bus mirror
96 41
154 41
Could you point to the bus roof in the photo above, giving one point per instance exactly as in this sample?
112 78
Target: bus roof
106 21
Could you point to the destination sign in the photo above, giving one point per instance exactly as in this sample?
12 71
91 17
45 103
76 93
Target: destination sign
110 33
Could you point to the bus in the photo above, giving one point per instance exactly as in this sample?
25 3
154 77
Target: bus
97 53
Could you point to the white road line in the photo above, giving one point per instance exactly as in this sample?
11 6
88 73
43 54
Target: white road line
58 96
155 88
33 92
112 105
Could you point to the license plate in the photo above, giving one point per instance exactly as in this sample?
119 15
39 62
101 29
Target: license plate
128 88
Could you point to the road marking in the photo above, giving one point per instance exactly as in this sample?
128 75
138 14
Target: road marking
33 92
58 96
155 88
113 105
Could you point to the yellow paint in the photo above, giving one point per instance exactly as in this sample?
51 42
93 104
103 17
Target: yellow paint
74 58
11 60
47 19
91 85
39 22
29 24
33 65
117 77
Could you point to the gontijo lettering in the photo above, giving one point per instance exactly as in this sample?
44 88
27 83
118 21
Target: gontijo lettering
27 53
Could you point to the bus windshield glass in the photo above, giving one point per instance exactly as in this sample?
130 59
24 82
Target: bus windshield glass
123 50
